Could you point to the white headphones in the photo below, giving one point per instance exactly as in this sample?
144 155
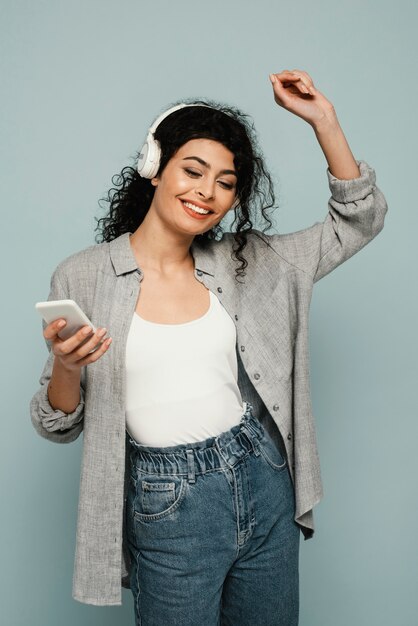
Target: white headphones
149 158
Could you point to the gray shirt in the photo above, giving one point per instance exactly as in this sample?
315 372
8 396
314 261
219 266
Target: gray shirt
270 309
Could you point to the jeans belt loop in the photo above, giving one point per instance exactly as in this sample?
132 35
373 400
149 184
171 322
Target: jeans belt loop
191 476
252 439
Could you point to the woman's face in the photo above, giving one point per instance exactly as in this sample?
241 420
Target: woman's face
202 175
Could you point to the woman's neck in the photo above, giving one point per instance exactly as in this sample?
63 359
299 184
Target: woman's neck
166 254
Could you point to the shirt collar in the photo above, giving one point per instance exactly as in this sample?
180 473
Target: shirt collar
124 261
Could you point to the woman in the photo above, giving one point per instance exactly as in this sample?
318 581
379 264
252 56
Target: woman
200 465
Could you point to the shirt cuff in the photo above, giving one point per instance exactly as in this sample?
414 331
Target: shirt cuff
55 419
354 188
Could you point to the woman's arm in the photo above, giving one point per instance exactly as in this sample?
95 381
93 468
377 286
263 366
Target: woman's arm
52 422
340 159
64 388
356 209
49 406
57 408
295 92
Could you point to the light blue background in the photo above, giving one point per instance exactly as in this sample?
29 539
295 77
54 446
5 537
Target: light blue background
81 82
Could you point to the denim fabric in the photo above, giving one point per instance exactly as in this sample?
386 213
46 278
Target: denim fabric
211 531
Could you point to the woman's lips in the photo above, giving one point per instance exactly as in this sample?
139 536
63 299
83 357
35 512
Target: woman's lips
198 216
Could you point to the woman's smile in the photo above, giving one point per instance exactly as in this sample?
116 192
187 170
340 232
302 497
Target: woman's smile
196 212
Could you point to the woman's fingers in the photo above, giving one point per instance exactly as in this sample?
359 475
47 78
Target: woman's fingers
82 348
96 341
284 82
63 347
294 91
76 351
80 344
52 329
301 79
94 356
303 76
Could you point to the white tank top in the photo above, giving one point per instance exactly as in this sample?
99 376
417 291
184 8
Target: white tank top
181 379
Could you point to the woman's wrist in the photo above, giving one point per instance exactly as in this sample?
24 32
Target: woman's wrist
327 124
334 145
63 369
64 387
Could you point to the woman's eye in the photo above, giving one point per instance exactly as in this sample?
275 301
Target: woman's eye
191 172
195 174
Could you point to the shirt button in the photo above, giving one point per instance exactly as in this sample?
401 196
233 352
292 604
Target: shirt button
199 272
220 289
242 348
276 407
289 436
256 375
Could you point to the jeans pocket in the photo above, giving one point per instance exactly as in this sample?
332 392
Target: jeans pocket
157 496
271 453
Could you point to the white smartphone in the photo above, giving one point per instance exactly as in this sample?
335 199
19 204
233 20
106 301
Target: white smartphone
70 311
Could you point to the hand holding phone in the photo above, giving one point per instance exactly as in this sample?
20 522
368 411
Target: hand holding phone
72 342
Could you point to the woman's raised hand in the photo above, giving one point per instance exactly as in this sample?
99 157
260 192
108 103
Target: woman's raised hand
295 92
73 353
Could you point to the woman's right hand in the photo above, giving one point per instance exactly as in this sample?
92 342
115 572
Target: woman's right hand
73 353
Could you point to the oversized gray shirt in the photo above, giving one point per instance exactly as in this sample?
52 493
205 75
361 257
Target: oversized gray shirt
270 309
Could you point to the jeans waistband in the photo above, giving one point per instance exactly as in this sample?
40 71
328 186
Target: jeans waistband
220 452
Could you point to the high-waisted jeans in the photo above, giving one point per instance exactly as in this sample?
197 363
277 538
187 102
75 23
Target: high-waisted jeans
211 531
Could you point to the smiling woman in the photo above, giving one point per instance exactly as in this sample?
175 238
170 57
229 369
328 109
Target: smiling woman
219 144
207 192
199 442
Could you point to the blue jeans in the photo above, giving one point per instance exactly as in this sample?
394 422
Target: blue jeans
211 532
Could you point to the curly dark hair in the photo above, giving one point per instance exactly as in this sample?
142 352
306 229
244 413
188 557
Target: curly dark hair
131 196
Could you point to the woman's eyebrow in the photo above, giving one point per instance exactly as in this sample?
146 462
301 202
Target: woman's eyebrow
208 166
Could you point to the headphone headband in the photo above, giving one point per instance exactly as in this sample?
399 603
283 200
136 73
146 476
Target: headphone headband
159 119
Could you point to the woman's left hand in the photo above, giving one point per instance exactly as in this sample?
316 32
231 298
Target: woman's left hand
295 92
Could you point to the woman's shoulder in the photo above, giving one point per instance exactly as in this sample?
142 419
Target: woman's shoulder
267 249
83 261
257 240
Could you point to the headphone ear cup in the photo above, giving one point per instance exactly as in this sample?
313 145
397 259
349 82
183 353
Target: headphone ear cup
150 155
149 159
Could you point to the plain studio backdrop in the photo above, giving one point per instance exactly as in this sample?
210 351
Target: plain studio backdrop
81 83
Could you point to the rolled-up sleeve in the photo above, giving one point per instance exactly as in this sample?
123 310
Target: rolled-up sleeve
356 214
50 423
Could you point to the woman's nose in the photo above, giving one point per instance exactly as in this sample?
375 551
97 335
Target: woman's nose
206 189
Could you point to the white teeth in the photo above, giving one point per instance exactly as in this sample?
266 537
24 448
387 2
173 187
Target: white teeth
195 208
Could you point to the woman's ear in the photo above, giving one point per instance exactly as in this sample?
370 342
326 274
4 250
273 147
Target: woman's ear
155 181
